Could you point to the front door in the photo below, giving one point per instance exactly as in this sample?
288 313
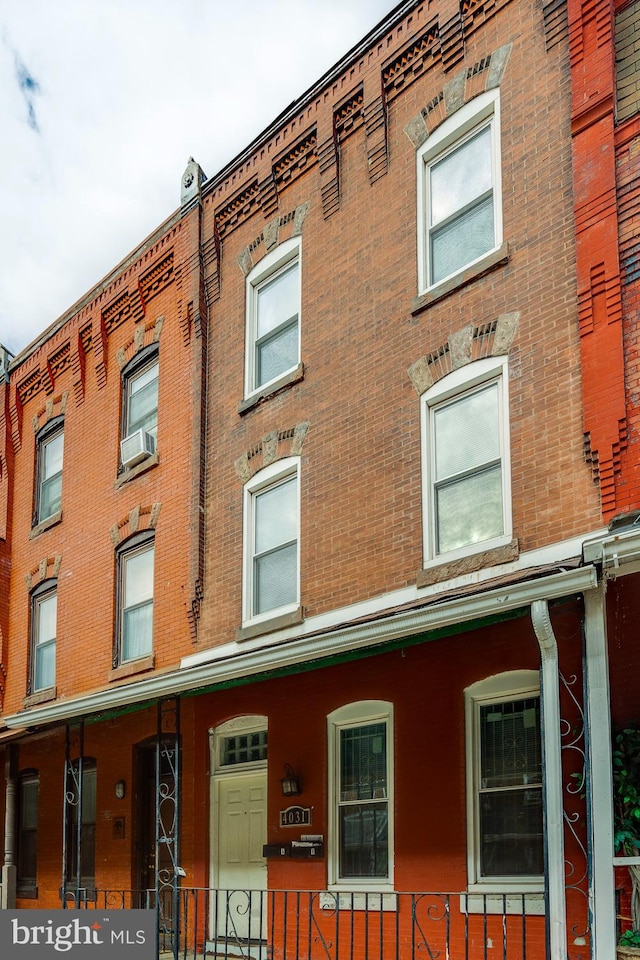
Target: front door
241 868
239 829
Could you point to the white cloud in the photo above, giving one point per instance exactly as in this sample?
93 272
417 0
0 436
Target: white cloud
121 93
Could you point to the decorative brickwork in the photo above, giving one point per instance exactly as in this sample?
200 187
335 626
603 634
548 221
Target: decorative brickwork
274 446
463 347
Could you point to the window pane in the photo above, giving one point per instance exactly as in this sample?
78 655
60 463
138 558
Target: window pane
363 762
29 804
467 432
276 578
53 454
278 300
462 240
511 833
143 401
277 354
27 856
461 176
510 749
50 496
276 516
45 672
364 840
139 577
469 510
137 631
47 615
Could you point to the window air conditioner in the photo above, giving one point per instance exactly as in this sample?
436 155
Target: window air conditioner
136 447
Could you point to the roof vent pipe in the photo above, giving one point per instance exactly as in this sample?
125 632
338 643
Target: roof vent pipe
552 780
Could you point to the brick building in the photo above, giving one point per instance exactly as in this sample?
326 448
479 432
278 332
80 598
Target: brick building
306 639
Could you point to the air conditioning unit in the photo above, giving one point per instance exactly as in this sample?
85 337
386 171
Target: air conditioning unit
136 447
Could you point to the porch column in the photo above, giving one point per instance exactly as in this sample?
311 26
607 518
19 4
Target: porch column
556 911
598 720
9 869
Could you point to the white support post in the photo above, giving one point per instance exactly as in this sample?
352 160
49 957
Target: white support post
554 825
9 869
598 720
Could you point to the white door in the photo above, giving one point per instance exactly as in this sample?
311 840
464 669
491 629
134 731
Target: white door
241 832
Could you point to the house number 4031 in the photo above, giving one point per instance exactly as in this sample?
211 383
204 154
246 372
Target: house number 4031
295 817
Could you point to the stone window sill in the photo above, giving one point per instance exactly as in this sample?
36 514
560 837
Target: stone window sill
51 521
448 570
294 376
41 696
271 624
134 472
131 667
493 260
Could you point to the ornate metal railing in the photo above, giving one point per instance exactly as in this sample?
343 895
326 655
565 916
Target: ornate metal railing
321 925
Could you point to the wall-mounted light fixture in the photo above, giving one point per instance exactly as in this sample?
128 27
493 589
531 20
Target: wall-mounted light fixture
290 783
120 788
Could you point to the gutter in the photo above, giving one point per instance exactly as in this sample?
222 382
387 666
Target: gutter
303 650
618 554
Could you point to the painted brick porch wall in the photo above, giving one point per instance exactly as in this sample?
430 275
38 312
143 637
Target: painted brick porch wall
424 681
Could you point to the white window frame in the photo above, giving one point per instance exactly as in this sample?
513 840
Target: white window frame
126 554
133 371
503 687
277 260
482 111
47 436
357 714
457 384
46 592
271 476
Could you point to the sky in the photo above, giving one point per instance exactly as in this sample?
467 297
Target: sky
102 102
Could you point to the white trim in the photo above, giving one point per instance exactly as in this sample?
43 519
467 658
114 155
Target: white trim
217 774
271 476
602 899
232 661
456 385
282 256
357 714
249 723
551 720
511 685
482 110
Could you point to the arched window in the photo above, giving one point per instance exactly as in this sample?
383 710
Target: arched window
504 784
44 616
48 485
360 747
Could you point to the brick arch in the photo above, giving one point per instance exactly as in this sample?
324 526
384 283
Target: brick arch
144 336
138 520
54 407
469 83
47 569
275 232
274 446
492 339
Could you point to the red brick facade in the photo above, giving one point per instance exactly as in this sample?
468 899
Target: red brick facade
380 618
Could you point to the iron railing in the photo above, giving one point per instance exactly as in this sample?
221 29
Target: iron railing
322 925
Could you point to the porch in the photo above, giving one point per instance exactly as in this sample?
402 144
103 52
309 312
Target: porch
323 925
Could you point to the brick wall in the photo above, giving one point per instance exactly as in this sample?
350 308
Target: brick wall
75 371
360 329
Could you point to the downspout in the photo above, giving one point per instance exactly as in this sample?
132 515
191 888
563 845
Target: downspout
556 911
